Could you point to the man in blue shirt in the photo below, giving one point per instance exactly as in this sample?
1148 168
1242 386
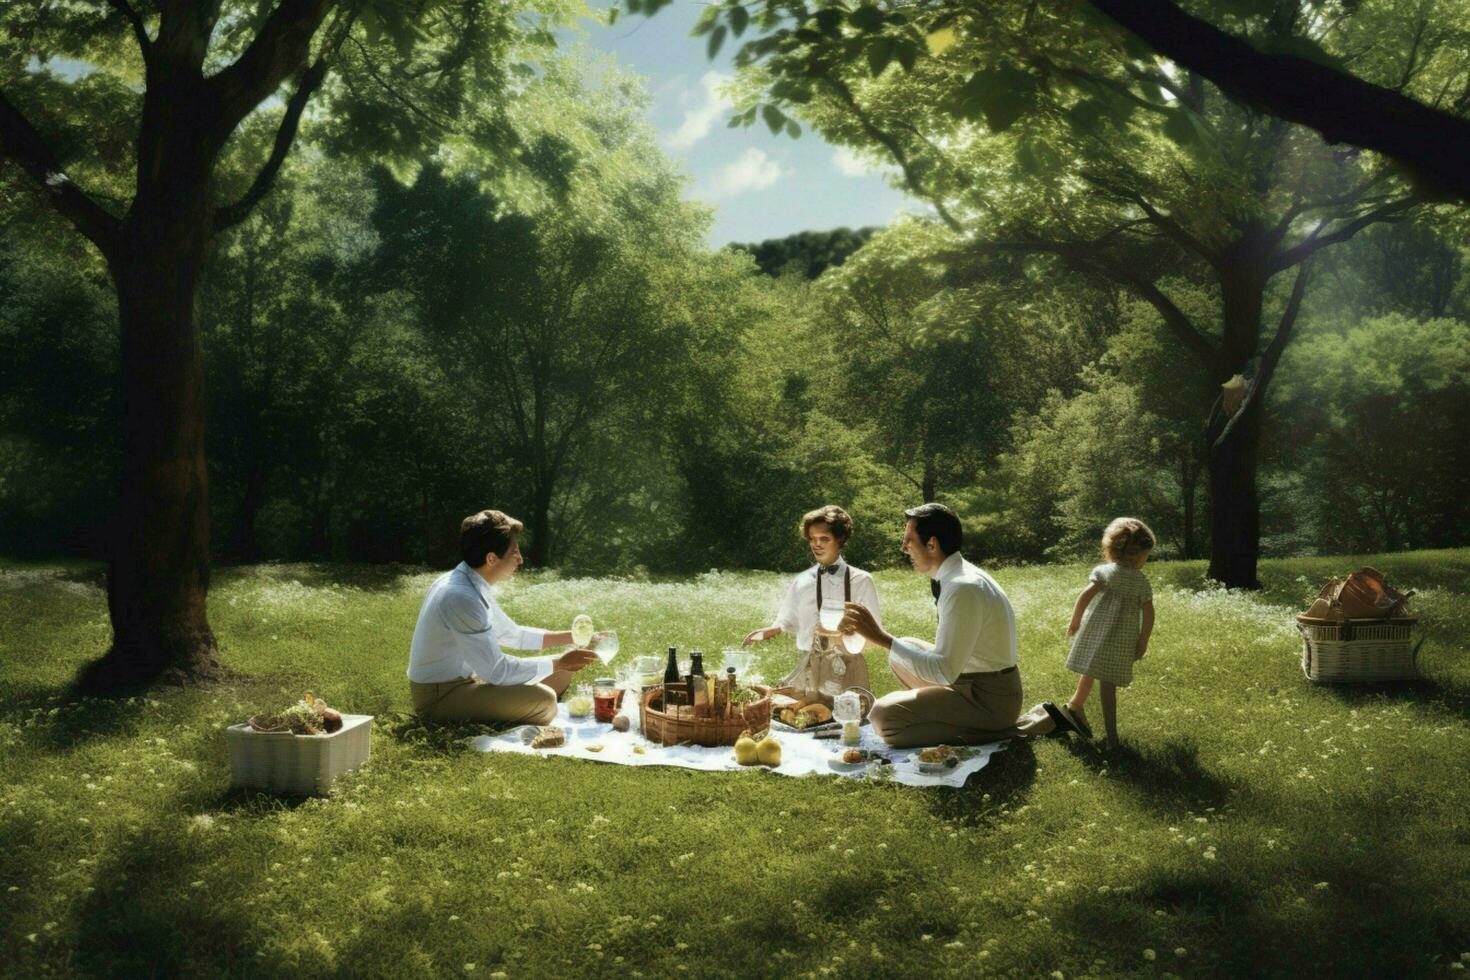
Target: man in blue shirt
457 666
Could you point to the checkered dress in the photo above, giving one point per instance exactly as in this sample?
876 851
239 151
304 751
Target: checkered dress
1107 641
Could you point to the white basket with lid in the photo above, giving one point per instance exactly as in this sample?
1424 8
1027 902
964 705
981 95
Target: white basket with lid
299 764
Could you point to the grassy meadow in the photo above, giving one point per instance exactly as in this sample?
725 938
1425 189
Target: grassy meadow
1252 824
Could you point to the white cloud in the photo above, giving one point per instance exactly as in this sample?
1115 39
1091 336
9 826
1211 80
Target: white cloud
698 120
849 164
753 171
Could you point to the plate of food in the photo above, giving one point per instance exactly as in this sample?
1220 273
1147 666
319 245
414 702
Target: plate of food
802 717
936 760
849 760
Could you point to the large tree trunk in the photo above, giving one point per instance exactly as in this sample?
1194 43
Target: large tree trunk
159 553
1235 515
1235 512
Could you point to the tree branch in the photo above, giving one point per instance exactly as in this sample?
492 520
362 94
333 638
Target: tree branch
1082 256
233 214
280 50
139 32
1302 251
900 156
1163 222
1433 145
22 143
1266 363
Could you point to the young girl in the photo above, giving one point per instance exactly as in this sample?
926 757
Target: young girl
1110 636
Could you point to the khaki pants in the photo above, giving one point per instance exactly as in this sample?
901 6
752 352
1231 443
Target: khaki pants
469 700
977 708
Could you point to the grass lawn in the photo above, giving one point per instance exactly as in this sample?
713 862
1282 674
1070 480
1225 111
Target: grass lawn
1253 823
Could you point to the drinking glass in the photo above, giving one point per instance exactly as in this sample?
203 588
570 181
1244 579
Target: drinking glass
579 705
830 618
582 629
605 645
739 659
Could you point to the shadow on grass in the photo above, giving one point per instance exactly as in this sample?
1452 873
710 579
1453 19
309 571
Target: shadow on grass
65 720
1167 778
1318 909
1450 698
1006 779
140 922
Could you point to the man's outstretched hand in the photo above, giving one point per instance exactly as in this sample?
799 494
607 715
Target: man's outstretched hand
858 618
760 635
574 660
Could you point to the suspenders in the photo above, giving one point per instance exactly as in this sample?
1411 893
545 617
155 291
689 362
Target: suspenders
846 586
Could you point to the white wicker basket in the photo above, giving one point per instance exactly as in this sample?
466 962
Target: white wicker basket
301 764
1358 650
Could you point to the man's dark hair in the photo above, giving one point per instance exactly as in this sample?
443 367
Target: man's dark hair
487 531
937 521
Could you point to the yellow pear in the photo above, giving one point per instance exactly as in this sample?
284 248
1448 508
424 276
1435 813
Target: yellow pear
746 752
769 751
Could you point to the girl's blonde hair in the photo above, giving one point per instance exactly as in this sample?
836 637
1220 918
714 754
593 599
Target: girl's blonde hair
1126 537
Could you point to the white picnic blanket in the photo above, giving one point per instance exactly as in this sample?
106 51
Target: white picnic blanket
801 754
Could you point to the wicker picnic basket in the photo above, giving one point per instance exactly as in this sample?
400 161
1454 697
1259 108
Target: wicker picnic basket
1358 650
678 725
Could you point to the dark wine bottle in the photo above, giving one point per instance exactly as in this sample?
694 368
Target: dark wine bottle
671 672
698 686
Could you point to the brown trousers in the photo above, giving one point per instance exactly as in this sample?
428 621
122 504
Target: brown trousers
977 708
469 700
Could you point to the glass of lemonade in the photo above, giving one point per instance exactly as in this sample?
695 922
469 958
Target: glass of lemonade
579 705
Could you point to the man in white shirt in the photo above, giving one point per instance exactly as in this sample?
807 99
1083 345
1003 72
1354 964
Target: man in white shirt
457 667
965 687
829 584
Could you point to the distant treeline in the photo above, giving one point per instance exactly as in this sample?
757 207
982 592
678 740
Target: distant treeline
807 253
386 352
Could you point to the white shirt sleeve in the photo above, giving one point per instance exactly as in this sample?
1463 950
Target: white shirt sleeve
961 614
786 615
464 615
511 634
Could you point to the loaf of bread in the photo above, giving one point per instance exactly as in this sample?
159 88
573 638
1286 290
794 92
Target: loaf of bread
550 737
817 713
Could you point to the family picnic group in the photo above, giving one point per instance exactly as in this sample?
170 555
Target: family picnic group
963 688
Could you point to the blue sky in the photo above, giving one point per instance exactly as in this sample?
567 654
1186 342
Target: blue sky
761 186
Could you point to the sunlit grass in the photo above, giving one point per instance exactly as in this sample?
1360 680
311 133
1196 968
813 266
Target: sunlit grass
1255 824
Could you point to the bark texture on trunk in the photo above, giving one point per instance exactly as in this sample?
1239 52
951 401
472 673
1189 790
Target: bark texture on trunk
1235 509
158 570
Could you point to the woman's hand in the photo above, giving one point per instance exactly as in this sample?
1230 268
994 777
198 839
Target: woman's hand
760 635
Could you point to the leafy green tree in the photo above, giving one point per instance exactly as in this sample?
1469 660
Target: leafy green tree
554 320
172 132
930 371
58 389
1420 123
1105 162
809 253
1383 408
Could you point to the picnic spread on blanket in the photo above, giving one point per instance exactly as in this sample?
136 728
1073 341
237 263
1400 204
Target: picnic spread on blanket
712 721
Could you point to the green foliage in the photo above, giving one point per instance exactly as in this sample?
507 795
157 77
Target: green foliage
809 253
1382 409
